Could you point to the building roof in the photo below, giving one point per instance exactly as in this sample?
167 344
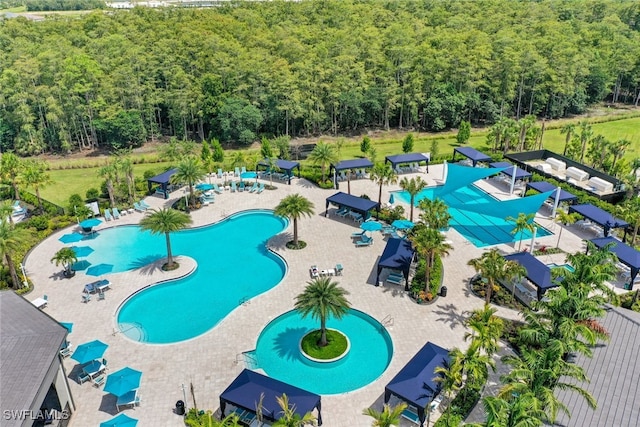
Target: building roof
472 154
614 370
164 177
406 158
538 272
353 202
29 343
544 186
351 164
398 254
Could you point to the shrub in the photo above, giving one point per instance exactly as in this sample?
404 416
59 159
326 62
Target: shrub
39 222
92 194
389 215
631 300
435 279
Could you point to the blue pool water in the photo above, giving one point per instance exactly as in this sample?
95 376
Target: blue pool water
567 267
234 265
481 230
248 175
277 353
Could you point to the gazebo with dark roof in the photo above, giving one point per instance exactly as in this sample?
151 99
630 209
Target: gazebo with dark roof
508 170
600 216
358 204
407 158
286 165
348 164
544 186
472 154
626 254
538 272
398 255
251 387
163 181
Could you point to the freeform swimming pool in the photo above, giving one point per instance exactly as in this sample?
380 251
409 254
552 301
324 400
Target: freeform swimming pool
481 230
234 265
277 353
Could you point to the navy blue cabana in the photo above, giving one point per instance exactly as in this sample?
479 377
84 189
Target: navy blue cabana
601 217
248 387
416 382
472 154
348 165
398 255
354 203
538 272
508 170
544 186
163 181
286 165
407 158
627 255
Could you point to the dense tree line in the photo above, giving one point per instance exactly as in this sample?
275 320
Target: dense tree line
51 5
238 71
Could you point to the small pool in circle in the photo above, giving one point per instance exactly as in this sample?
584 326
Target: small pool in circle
278 354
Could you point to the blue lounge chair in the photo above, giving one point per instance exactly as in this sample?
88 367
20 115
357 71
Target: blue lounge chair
358 233
241 186
216 188
253 188
107 215
365 241
116 213
343 212
236 171
145 204
339 269
219 173
244 170
260 188
233 186
137 207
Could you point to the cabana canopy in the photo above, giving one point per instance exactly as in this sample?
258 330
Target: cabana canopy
245 392
398 255
544 186
508 170
163 180
472 154
538 272
286 165
354 203
407 158
416 383
627 255
599 216
348 164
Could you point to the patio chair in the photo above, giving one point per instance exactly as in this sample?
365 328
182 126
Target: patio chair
100 296
241 186
86 297
364 241
83 378
216 188
220 173
358 233
236 171
313 271
339 269
107 215
343 211
233 186
260 188
65 352
243 170
253 188
116 213
99 380
411 415
138 208
19 210
144 204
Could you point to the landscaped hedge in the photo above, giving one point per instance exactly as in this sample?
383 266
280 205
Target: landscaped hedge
435 280
461 405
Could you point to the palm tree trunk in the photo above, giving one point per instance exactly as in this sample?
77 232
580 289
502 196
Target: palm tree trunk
411 211
39 200
349 182
323 333
559 236
17 284
169 255
295 232
487 296
380 193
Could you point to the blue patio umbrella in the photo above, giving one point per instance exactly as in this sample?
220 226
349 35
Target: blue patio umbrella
99 269
89 351
68 326
82 251
71 238
391 199
81 265
402 224
123 381
371 226
121 420
90 223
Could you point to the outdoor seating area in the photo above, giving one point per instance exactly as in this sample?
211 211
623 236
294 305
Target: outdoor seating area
41 302
409 162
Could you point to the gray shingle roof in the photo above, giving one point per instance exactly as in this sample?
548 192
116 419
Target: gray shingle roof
614 371
29 344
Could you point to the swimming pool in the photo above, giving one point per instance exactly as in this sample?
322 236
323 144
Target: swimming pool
248 175
234 265
277 353
567 267
481 230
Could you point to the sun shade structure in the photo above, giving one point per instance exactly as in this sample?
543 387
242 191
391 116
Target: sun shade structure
626 254
88 224
416 383
99 269
123 381
121 420
89 351
460 176
544 186
358 204
599 216
508 170
538 272
163 180
248 387
286 165
348 164
472 154
407 158
397 255
71 238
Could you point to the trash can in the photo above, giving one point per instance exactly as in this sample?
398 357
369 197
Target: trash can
180 407
443 291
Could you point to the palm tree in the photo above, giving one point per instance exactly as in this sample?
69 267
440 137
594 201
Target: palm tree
383 174
67 257
522 411
435 213
165 221
323 154
290 418
586 132
127 168
412 186
568 129
189 170
208 420
294 207
11 239
11 171
494 267
450 375
387 417
6 210
108 172
524 222
320 299
564 218
35 175
630 212
429 242
486 329
593 269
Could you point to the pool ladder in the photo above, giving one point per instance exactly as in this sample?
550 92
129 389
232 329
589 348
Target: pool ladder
387 321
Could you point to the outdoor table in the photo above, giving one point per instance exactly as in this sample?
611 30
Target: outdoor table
39 302
93 368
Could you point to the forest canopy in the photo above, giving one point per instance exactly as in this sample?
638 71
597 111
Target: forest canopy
114 80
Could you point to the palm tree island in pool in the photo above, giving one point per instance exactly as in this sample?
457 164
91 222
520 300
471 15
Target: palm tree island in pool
165 221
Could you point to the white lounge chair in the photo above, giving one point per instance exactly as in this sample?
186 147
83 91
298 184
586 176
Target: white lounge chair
116 213
107 215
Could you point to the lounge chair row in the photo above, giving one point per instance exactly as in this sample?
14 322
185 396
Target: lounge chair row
395 278
345 212
235 173
364 241
315 272
255 188
141 206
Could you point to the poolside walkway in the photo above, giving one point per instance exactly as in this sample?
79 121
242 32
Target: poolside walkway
210 362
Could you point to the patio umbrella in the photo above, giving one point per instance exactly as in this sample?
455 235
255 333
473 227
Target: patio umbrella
121 420
89 351
99 269
402 224
90 223
123 381
391 199
68 326
371 226
71 238
82 251
81 265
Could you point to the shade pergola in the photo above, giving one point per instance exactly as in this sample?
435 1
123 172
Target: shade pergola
286 165
538 272
599 216
472 154
354 203
416 382
163 180
250 387
407 158
544 186
626 254
347 165
398 255
508 170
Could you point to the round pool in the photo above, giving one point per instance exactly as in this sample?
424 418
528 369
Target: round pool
278 354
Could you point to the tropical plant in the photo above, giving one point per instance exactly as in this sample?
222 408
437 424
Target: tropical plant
67 257
207 419
6 210
565 218
35 175
429 242
320 299
493 267
383 174
189 170
464 132
389 416
449 376
407 143
11 171
294 207
521 411
165 221
486 329
593 269
365 145
412 186
323 154
568 129
109 172
630 212
524 222
290 418
435 213
10 240
206 157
